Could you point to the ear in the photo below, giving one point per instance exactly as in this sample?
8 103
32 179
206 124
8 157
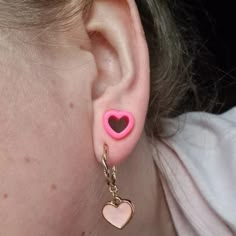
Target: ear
120 50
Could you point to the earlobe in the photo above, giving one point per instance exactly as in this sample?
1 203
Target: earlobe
120 92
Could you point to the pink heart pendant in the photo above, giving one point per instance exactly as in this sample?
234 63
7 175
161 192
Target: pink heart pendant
119 214
118 124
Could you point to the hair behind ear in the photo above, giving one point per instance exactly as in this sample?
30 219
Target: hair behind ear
173 44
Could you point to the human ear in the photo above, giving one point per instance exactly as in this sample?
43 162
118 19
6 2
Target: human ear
121 55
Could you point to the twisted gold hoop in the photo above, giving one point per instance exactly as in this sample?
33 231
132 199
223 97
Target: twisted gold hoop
124 209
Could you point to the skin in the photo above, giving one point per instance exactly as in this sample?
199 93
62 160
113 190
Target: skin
54 89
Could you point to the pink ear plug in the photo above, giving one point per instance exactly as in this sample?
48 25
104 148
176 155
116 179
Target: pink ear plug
118 124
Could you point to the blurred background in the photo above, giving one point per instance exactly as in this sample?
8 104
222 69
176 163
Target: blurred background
216 21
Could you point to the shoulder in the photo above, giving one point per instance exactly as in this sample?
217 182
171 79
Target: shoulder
205 145
202 122
207 140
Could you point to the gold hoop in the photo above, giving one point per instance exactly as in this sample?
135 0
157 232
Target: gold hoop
110 174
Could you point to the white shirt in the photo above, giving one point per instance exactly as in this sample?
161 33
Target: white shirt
198 172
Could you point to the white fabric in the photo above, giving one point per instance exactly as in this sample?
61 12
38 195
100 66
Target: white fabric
198 172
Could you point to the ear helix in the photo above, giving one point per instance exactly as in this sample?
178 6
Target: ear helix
118 124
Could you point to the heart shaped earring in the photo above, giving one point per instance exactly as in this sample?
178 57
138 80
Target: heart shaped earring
117 212
118 124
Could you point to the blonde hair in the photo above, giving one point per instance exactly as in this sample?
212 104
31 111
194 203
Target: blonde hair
26 14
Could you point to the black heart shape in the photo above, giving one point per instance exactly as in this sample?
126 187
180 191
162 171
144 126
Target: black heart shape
118 124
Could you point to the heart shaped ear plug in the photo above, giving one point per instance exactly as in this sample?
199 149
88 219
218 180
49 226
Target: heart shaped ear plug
118 124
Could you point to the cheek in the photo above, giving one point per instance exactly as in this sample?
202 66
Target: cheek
47 165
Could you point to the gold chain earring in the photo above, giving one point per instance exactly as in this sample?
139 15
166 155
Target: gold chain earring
118 212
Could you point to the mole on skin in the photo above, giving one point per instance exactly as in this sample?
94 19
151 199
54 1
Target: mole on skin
83 233
27 159
72 105
53 187
5 196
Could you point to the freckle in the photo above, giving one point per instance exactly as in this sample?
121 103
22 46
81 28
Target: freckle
5 195
53 187
27 159
72 105
83 233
